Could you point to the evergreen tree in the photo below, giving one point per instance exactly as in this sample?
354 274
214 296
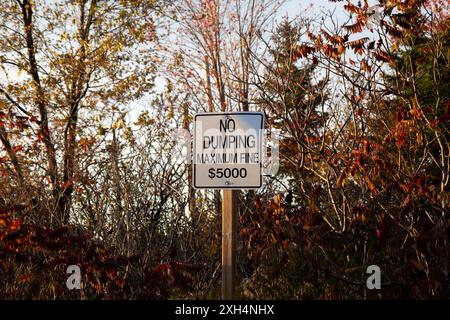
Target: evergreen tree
293 102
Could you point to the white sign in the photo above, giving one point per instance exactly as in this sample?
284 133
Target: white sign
228 150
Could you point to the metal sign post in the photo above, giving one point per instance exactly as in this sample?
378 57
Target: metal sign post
228 155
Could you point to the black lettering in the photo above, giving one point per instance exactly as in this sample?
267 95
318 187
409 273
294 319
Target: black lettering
205 146
227 125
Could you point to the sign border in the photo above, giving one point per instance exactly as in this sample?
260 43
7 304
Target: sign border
202 114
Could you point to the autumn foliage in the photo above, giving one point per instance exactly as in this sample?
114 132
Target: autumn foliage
90 169
377 197
34 261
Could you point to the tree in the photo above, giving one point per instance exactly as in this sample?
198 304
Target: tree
380 197
75 61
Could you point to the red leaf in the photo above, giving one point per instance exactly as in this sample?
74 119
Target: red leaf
17 149
15 225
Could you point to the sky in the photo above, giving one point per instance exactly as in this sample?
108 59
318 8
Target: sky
291 9
294 7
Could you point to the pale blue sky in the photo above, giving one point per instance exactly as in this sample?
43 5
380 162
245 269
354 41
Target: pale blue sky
292 8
